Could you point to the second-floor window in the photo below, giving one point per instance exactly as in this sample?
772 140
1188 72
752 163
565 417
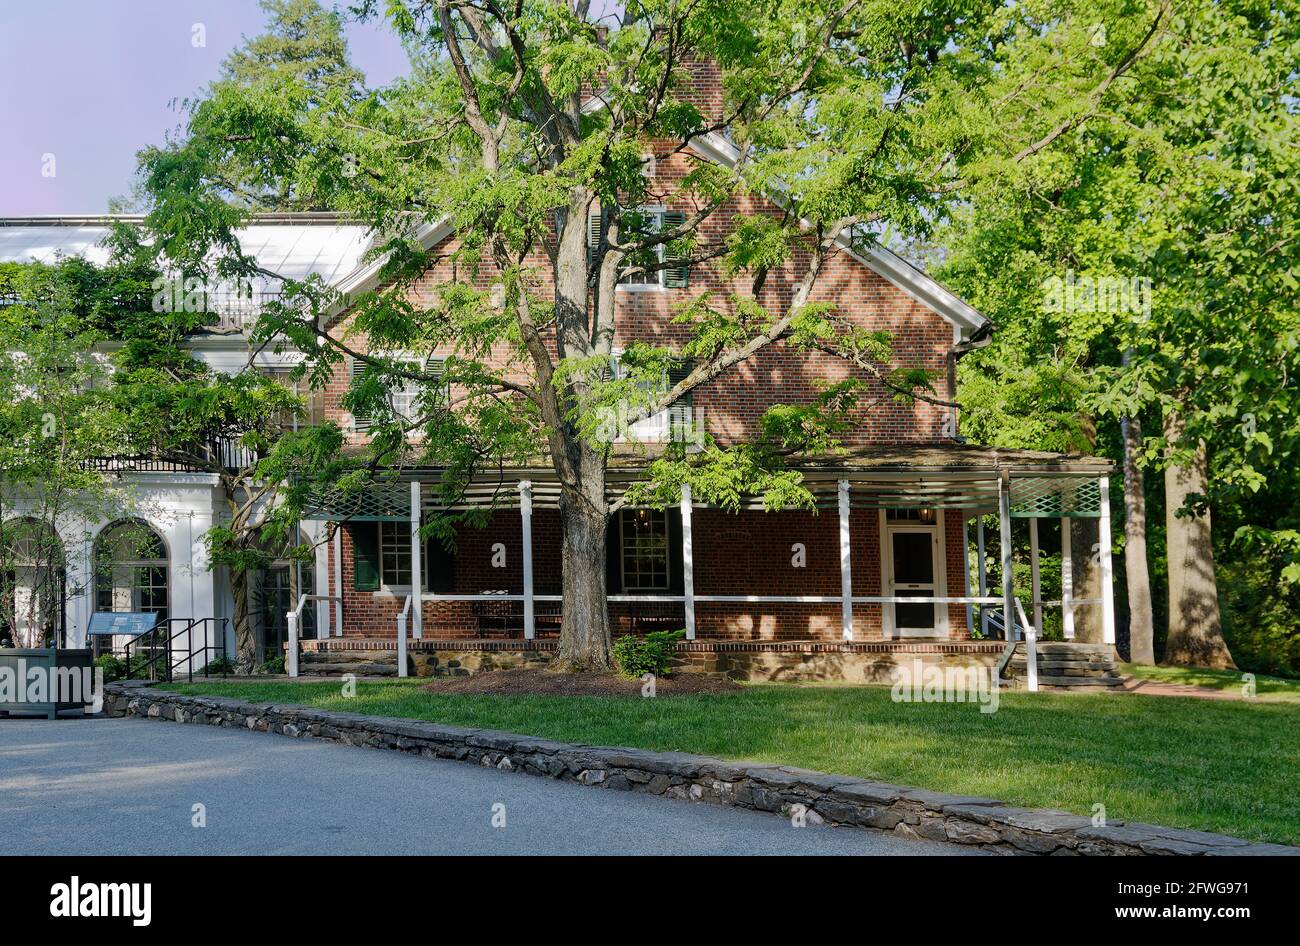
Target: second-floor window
313 400
404 395
654 220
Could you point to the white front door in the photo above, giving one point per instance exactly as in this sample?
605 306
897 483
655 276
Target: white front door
913 568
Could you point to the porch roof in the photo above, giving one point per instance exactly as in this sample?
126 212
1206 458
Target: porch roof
944 476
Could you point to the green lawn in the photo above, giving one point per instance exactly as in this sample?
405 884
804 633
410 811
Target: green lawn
1266 688
1216 765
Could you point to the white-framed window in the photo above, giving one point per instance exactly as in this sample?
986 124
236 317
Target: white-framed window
404 397
655 220
395 554
673 421
644 550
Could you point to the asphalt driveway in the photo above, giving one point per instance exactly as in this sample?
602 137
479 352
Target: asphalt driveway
122 786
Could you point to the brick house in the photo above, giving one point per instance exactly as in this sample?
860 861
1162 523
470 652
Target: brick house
882 568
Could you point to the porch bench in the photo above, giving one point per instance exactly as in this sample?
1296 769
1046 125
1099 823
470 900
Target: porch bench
647 616
507 617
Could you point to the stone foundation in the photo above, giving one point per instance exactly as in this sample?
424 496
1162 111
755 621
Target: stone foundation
755 662
796 793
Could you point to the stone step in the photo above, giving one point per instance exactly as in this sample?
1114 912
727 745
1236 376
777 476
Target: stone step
347 656
1054 680
1048 666
358 667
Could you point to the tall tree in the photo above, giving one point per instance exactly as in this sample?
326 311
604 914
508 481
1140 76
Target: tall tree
520 124
1183 181
52 427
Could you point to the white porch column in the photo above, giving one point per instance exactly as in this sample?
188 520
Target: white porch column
321 579
1107 589
1004 525
1067 582
1034 582
965 573
338 579
983 575
417 570
401 635
291 652
688 563
846 565
81 580
526 523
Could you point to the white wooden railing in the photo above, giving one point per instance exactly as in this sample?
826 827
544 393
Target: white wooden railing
293 621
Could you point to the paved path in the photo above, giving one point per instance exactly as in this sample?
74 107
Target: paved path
1165 688
122 786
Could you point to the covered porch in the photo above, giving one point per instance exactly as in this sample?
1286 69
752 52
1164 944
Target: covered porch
883 563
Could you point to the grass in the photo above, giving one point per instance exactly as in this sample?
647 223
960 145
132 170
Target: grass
1266 688
1215 765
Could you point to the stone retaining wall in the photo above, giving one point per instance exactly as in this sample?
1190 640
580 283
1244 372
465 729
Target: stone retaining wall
793 792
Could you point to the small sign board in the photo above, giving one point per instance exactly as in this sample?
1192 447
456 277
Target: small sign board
132 623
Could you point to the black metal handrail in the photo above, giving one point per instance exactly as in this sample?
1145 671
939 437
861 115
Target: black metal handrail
163 651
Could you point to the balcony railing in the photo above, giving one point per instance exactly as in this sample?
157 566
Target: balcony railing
235 312
221 451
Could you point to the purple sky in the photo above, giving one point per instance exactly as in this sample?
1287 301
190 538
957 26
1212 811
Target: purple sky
92 81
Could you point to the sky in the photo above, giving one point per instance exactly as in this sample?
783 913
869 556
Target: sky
87 83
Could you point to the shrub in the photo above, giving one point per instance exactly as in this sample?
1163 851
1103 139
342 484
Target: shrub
274 665
636 655
114 667
221 664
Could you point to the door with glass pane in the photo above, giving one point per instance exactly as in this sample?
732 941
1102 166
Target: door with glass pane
914 573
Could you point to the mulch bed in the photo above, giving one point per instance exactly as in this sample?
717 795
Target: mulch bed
526 682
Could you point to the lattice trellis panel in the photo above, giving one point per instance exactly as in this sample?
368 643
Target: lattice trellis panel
381 502
1050 497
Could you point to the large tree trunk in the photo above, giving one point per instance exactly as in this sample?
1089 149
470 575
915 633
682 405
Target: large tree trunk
245 644
584 631
1141 628
1195 628
1085 535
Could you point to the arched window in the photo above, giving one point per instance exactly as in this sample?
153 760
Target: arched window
131 569
33 584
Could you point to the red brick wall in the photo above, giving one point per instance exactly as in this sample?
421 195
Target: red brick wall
745 554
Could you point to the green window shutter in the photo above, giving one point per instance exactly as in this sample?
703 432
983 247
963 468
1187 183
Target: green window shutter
676 573
614 555
435 366
365 556
440 567
595 233
675 276
680 412
360 422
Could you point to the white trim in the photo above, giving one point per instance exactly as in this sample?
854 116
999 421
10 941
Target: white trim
1035 583
846 564
688 563
526 530
1067 582
938 549
417 564
1107 571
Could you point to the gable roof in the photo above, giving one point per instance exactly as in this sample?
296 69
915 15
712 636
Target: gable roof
881 260
297 245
